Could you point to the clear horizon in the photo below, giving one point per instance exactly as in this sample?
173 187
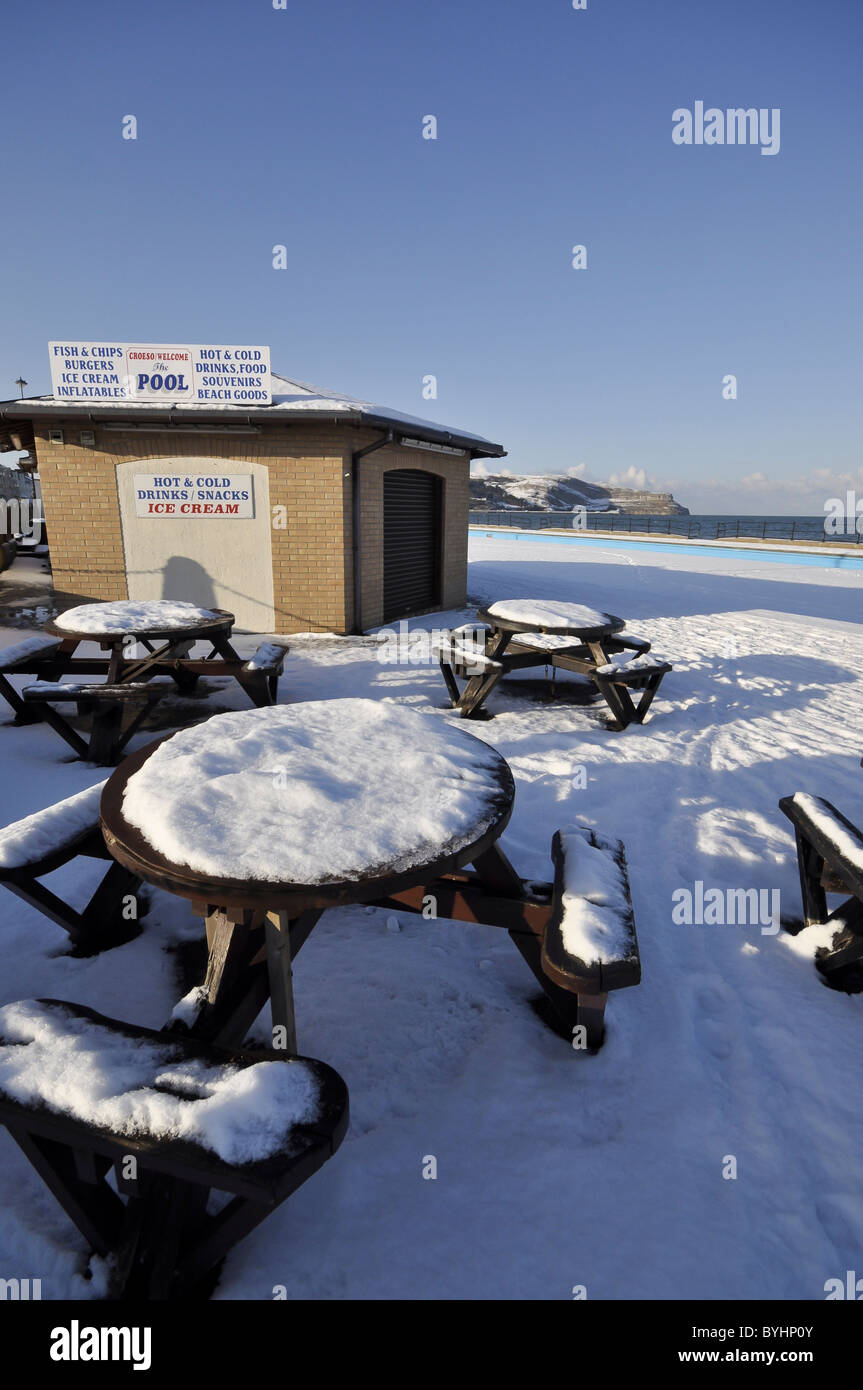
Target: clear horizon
408 257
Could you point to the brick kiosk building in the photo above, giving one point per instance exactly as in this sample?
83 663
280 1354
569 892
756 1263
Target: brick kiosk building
324 471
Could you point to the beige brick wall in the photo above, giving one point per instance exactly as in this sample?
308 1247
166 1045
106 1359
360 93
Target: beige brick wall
310 477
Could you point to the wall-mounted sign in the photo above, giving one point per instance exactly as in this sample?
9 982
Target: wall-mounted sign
194 495
164 374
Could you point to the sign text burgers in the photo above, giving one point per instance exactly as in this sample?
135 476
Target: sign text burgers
158 494
167 374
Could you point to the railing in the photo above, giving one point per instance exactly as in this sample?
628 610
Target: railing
803 529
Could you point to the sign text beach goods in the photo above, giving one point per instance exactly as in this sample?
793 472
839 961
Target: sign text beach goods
188 495
162 373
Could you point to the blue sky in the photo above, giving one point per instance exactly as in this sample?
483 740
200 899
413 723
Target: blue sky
452 257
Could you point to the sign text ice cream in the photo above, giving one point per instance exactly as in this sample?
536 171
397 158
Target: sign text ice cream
157 494
167 374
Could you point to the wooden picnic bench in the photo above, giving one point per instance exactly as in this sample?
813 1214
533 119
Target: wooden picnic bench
166 631
153 1221
518 634
829 860
590 963
38 844
256 925
105 704
24 658
142 641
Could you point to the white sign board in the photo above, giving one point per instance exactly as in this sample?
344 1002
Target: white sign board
161 373
194 495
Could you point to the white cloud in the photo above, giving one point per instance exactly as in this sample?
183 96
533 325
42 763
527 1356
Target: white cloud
635 478
758 492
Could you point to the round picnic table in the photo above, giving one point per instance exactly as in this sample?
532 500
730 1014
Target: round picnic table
525 633
573 620
175 624
167 630
566 636
265 818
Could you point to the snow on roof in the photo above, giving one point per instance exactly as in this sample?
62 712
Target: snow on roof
289 398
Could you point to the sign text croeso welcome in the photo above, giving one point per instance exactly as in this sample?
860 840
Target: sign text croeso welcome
157 494
167 373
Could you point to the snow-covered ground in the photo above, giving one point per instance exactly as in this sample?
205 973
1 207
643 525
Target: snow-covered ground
554 1168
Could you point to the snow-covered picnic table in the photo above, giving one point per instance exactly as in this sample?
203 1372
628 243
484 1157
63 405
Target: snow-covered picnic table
515 634
264 819
122 628
141 640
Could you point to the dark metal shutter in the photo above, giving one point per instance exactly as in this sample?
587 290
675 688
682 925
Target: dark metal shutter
412 542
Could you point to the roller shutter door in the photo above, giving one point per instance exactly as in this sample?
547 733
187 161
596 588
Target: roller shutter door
412 542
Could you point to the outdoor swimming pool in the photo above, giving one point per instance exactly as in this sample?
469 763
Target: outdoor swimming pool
766 555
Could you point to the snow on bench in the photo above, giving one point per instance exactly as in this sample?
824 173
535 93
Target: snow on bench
44 841
68 692
590 942
544 641
464 655
32 649
831 828
269 657
830 860
638 665
194 1118
628 641
44 833
52 1056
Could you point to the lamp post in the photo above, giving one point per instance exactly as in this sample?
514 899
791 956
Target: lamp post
21 383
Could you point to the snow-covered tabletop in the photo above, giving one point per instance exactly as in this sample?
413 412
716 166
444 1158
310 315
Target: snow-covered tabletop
136 617
547 615
320 793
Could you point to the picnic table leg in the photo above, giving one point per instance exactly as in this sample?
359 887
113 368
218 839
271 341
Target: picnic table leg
285 935
498 874
60 663
115 665
94 1208
278 931
168 658
24 714
617 697
810 866
449 679
105 730
476 692
102 922
846 945
258 689
160 1218
590 1015
65 730
478 688
235 986
564 1005
569 1009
